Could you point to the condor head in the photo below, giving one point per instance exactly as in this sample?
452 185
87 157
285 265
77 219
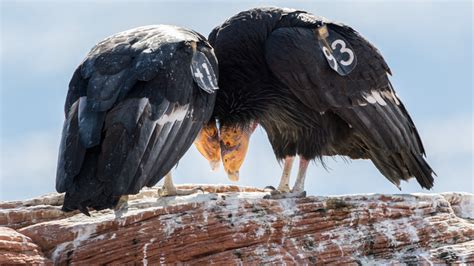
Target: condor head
234 142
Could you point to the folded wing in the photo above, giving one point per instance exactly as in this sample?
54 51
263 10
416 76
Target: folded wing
381 127
132 111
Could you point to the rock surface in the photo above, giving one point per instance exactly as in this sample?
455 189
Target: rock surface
234 225
16 248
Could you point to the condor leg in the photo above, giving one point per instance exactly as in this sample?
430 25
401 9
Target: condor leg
284 186
283 190
168 189
122 205
298 188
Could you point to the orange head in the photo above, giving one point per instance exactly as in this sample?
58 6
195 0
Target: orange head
208 145
234 143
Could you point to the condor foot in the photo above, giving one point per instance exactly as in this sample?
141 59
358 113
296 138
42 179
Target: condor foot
164 192
276 194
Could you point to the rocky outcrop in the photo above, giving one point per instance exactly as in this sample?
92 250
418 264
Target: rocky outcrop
233 225
16 248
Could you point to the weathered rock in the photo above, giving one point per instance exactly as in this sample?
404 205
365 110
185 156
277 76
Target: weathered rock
17 214
16 248
232 225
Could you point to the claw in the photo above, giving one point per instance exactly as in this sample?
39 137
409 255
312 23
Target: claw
121 207
285 195
162 192
269 189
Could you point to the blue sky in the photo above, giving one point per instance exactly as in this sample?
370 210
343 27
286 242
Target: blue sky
428 46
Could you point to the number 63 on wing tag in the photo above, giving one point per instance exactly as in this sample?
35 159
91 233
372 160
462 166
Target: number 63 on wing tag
338 52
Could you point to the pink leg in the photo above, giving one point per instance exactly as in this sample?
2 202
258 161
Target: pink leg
298 188
299 184
285 176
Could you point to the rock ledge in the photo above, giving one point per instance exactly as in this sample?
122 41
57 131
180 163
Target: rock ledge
234 225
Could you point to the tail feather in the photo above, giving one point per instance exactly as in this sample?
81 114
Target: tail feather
403 166
88 191
424 172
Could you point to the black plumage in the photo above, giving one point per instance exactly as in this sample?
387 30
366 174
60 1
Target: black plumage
273 71
134 106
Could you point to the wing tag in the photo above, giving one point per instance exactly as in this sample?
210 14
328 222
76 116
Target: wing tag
202 72
338 52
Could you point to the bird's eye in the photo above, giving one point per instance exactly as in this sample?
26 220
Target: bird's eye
227 143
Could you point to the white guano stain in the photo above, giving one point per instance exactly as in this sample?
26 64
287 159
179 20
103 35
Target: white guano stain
389 230
145 250
81 234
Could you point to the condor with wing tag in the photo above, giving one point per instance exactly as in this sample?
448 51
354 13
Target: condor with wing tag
202 72
338 52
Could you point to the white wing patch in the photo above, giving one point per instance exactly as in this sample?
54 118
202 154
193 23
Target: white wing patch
178 113
378 98
392 96
370 98
373 97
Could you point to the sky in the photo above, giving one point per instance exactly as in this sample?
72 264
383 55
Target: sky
428 46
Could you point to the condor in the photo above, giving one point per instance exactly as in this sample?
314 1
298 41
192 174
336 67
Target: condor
134 107
318 88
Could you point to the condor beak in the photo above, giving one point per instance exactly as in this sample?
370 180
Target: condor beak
215 165
208 145
234 146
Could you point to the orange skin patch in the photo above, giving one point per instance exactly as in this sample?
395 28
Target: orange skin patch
234 146
208 144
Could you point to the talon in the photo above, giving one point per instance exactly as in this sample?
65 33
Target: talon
163 192
284 189
121 207
269 188
299 194
275 192
284 195
122 203
160 192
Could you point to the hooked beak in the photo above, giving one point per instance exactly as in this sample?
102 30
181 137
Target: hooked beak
234 145
215 165
208 145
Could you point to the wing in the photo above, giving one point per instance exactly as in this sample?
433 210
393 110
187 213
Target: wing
364 98
133 109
